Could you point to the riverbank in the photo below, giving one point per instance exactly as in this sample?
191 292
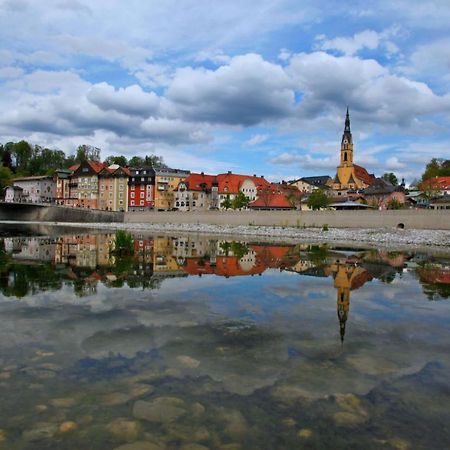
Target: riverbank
391 238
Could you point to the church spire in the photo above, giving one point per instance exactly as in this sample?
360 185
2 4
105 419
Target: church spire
347 123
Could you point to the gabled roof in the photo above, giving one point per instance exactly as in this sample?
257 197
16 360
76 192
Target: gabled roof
94 166
363 175
379 187
199 182
230 183
319 180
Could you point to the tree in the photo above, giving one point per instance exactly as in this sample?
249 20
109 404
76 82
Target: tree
136 161
390 178
226 203
240 201
21 153
436 168
318 199
6 177
394 204
87 152
119 160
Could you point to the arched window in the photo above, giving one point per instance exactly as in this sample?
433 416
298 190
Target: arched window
345 156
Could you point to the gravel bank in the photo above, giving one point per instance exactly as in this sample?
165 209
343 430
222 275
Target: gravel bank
386 237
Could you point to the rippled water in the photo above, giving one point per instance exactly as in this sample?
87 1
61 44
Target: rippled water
192 343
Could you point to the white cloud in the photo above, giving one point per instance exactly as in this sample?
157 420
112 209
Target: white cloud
248 91
130 100
306 161
350 45
256 140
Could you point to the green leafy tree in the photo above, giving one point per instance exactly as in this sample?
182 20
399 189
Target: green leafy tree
394 204
318 199
436 168
120 160
240 201
390 177
21 153
226 204
136 161
6 177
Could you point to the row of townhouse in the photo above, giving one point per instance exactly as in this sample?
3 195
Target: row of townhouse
199 191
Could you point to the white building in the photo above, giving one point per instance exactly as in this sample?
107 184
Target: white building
38 189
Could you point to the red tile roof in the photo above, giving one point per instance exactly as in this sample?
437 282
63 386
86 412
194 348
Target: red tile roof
229 183
440 183
96 165
363 175
199 181
74 167
271 196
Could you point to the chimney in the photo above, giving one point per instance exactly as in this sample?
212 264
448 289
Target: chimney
202 173
254 174
229 172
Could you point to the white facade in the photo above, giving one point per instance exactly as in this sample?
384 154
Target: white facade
13 194
37 189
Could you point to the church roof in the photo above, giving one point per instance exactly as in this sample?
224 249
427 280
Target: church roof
363 175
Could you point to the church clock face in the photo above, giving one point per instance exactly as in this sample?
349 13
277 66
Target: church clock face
345 141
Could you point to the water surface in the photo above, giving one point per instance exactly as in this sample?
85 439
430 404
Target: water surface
194 343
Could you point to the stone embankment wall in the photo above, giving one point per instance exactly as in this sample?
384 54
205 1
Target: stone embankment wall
416 219
28 212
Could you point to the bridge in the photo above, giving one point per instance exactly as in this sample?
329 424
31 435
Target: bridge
42 212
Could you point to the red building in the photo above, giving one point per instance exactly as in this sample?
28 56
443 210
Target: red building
141 189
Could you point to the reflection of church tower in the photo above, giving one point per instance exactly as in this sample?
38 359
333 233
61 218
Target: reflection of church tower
343 306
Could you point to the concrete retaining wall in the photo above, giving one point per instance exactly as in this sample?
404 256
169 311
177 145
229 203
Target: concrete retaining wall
418 219
28 212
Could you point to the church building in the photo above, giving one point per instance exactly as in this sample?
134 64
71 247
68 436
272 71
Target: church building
350 175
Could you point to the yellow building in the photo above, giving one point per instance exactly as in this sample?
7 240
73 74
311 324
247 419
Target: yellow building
166 181
113 188
350 175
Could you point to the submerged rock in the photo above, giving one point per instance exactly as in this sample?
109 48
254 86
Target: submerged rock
63 402
115 399
197 409
354 414
305 433
188 362
235 424
41 431
160 410
125 429
41 408
140 445
347 419
193 447
68 427
140 389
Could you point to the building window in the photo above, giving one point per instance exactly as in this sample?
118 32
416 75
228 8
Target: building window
142 203
142 194
132 195
132 202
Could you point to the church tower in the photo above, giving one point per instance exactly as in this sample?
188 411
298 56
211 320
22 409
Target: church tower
347 144
349 175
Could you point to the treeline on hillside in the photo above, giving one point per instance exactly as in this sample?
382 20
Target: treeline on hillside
23 159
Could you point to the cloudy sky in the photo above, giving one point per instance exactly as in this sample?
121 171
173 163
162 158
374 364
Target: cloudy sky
253 87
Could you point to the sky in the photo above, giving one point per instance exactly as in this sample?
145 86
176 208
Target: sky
252 87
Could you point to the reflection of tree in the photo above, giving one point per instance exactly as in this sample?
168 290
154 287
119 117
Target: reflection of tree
18 280
237 248
435 281
318 254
